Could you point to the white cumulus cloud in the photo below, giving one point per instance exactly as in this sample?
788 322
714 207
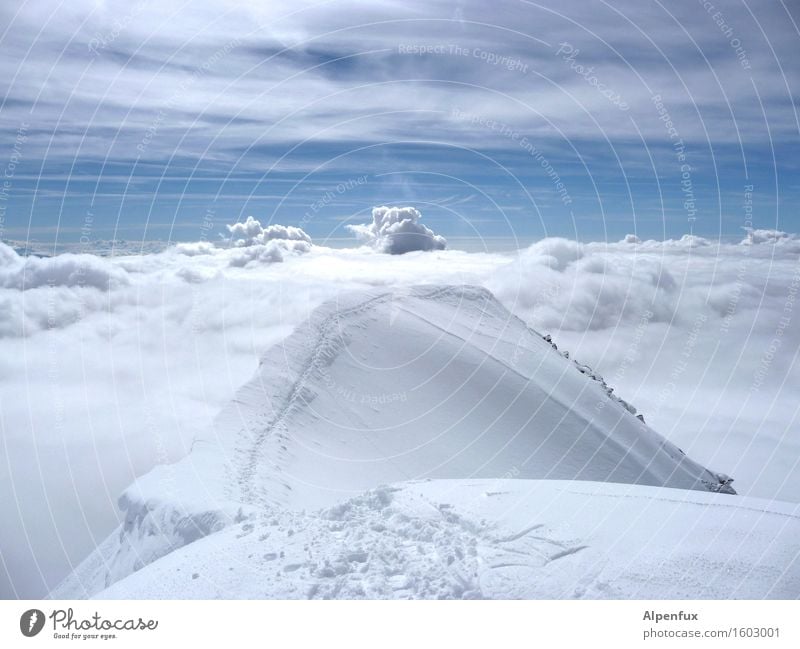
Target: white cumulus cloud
251 233
755 237
254 243
397 230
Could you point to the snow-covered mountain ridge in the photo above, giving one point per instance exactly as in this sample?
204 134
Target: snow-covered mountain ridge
386 387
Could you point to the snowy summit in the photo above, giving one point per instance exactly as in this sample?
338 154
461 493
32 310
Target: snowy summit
426 443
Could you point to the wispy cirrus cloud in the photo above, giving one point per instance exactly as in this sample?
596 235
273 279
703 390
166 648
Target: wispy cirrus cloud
339 86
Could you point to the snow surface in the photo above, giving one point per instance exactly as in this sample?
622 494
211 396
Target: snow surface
379 387
492 539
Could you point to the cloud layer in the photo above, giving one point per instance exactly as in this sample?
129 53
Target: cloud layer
180 74
102 378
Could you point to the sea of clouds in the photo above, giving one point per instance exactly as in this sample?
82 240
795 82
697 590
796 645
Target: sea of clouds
109 365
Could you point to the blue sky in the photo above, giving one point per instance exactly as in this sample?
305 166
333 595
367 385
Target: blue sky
140 121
